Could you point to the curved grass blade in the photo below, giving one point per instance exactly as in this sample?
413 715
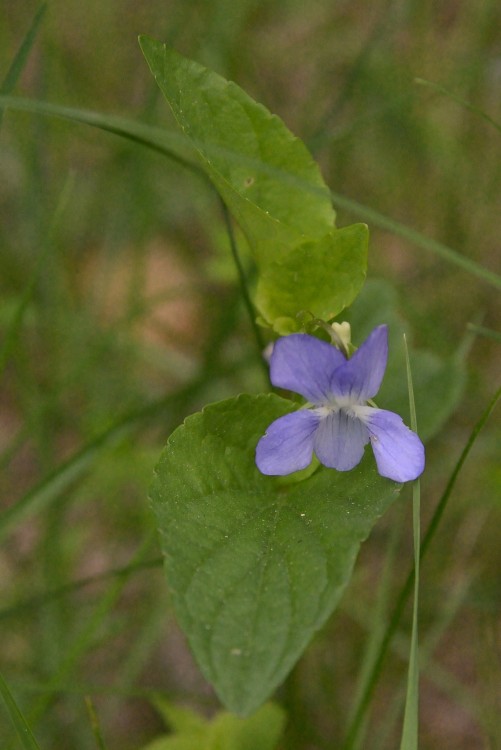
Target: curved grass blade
20 59
488 333
71 470
40 600
459 100
361 709
26 736
173 145
17 318
416 238
86 637
50 487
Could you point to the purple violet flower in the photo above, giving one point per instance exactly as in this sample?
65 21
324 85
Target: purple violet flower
338 423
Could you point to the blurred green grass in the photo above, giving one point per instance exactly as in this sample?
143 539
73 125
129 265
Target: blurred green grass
134 303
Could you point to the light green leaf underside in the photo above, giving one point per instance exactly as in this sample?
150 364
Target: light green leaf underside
255 566
321 278
265 175
225 731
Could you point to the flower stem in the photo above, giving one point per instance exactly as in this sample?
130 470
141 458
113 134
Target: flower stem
243 286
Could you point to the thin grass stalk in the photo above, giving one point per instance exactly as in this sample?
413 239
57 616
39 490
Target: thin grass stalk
411 716
359 714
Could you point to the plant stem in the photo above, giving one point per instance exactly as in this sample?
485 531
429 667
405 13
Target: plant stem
243 287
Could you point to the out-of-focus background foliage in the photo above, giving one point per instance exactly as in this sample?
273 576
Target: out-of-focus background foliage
120 314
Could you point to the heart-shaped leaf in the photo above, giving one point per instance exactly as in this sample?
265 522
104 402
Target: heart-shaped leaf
255 563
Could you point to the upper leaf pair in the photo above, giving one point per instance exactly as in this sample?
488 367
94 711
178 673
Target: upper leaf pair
272 187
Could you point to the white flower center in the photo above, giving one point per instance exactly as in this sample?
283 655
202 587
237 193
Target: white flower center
345 404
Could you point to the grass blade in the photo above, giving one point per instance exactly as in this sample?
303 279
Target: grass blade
25 298
25 734
359 714
173 145
378 618
483 331
459 100
411 715
40 600
58 480
94 722
416 238
71 470
21 57
86 637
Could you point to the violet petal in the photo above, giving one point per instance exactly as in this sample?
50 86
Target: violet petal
360 377
287 445
398 450
339 441
304 364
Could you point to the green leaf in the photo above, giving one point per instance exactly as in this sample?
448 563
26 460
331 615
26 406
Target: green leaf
438 381
178 718
265 175
262 730
178 742
255 565
320 277
22 727
225 732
